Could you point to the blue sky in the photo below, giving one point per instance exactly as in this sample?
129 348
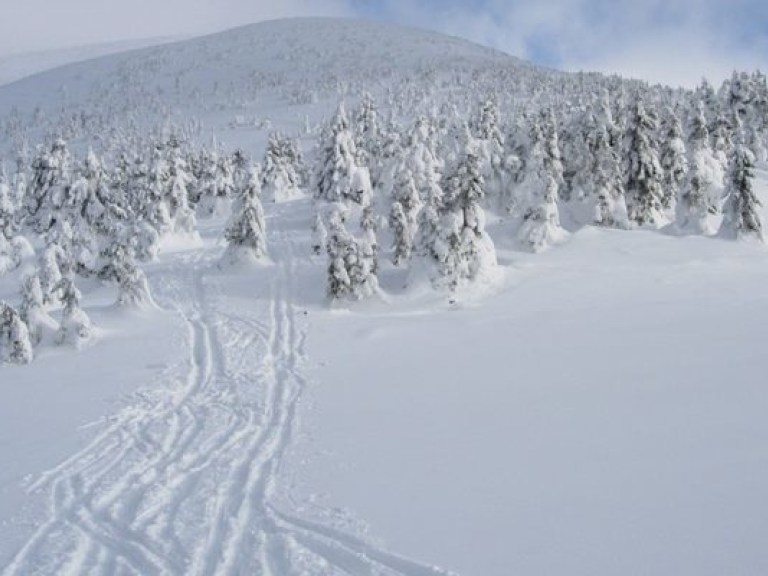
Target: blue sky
672 41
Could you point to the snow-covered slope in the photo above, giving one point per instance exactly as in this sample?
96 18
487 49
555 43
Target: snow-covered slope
601 412
278 72
17 66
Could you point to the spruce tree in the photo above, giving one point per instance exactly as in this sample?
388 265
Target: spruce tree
367 134
319 234
540 227
644 191
33 310
490 145
741 213
455 248
15 344
75 327
337 161
7 208
351 264
673 159
694 200
49 187
607 190
133 288
246 231
280 178
403 216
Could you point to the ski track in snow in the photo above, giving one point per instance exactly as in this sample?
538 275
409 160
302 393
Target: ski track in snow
185 483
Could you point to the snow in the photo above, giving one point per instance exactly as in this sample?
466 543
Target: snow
596 409
604 414
15 67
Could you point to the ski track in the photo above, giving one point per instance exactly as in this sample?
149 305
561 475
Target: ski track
185 481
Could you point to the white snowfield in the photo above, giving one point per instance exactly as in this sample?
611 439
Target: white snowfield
601 411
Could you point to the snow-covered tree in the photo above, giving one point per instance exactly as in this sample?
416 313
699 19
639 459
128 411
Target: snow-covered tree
337 178
33 310
403 216
369 227
49 187
215 184
454 248
75 327
695 199
351 265
179 180
741 213
246 231
540 226
319 234
280 178
53 263
673 159
15 344
490 149
7 208
645 197
607 190
722 138
367 132
419 155
133 288
155 208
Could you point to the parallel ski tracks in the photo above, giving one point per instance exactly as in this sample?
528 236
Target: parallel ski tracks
186 481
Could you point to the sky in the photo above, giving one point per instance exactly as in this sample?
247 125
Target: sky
670 41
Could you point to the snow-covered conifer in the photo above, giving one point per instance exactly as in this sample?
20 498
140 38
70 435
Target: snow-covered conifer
179 180
607 194
490 149
741 213
453 247
33 310
15 344
540 226
154 199
704 173
75 327
673 159
644 176
133 288
369 227
367 132
53 263
319 233
351 267
337 161
7 208
280 179
403 216
50 183
246 231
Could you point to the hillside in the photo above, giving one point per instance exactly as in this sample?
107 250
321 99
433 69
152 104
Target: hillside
335 297
279 71
15 67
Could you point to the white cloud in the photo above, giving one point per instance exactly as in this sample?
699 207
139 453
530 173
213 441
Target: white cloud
674 42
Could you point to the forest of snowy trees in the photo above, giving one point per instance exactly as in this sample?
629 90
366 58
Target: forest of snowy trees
412 190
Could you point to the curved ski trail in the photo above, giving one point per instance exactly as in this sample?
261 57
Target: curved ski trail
184 481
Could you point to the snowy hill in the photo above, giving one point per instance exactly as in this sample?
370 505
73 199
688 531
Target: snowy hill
261 76
18 66
454 327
